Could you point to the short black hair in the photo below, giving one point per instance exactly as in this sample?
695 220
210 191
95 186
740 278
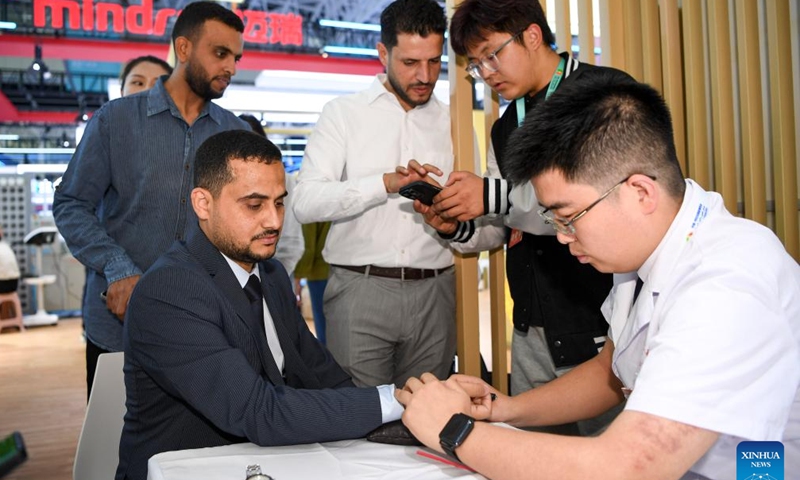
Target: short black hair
193 16
143 59
416 17
254 124
211 163
473 20
598 131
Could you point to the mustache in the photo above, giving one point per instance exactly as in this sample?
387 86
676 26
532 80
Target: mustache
266 233
421 84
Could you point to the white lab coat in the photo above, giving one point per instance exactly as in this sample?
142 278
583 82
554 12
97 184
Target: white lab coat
714 337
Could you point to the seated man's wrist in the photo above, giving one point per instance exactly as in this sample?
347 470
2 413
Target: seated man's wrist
391 409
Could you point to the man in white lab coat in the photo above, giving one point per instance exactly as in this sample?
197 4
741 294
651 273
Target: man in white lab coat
704 315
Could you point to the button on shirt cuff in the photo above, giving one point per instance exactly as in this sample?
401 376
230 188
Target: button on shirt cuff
391 409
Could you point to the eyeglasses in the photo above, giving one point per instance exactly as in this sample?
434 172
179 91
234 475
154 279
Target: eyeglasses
489 62
566 226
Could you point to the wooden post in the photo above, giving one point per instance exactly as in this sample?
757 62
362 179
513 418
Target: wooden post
673 73
722 104
784 146
697 119
752 118
467 308
497 272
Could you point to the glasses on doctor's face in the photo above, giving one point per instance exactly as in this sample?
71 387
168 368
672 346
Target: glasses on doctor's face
566 226
490 62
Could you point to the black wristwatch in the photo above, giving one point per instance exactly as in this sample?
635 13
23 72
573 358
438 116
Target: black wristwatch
455 432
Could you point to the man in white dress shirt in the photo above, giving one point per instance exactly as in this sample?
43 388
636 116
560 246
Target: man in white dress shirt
704 315
390 300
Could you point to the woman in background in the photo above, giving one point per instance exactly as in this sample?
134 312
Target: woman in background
141 73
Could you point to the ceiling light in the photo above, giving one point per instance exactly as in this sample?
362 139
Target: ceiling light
38 66
369 52
372 27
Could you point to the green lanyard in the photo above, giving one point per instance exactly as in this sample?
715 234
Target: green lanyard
552 88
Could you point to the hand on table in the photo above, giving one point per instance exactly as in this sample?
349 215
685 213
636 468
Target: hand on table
499 401
431 402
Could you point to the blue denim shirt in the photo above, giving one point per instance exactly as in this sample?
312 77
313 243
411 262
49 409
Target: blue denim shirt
125 195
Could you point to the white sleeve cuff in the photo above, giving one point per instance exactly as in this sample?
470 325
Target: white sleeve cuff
391 409
372 190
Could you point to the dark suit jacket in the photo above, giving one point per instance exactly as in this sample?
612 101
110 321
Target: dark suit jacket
197 372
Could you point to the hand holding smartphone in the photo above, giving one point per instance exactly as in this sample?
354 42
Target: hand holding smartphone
420 190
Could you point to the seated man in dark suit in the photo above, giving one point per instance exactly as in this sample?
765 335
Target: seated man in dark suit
208 362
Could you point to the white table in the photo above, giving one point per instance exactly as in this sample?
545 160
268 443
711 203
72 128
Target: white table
346 459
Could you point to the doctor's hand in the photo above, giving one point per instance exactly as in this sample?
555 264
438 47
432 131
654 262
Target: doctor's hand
500 403
402 176
462 197
439 223
431 402
118 295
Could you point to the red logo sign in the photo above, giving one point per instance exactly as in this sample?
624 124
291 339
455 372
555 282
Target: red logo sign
260 27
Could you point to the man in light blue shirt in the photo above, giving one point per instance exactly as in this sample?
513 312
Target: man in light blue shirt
124 197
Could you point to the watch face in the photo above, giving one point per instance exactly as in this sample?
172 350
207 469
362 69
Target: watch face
455 432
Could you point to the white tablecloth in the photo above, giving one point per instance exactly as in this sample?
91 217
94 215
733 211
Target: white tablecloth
347 459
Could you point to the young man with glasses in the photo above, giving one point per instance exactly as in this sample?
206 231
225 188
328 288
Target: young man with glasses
707 354
557 320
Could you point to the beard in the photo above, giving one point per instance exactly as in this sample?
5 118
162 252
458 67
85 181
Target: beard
242 253
400 91
199 82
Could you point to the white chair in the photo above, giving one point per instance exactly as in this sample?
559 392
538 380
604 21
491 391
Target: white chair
97 455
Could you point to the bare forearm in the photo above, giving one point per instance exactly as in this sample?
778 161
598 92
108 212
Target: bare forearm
588 390
635 446
501 454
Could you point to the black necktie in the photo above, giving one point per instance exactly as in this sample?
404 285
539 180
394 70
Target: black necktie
256 296
253 291
639 283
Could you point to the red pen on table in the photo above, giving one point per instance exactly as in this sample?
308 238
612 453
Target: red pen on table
445 460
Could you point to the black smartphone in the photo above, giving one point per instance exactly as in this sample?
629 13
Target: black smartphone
12 452
422 191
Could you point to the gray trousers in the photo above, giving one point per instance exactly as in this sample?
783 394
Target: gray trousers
385 330
532 366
